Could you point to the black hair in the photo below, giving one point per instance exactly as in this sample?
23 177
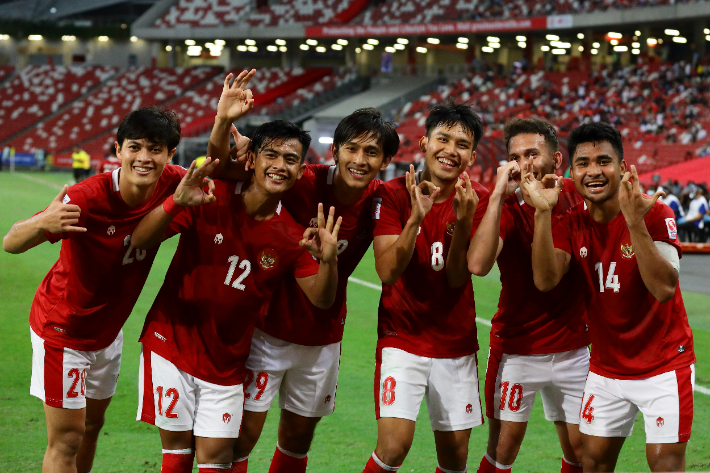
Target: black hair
152 124
365 123
450 114
268 132
595 132
533 126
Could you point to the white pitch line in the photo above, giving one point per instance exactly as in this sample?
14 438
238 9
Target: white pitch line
487 323
53 185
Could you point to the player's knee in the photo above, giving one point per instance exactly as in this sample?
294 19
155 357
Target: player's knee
668 462
393 451
66 441
93 426
298 440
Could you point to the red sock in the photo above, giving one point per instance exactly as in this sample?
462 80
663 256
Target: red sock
287 462
240 466
569 467
215 468
488 465
177 461
375 465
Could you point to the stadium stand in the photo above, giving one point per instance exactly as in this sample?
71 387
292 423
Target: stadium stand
103 109
292 12
38 91
204 13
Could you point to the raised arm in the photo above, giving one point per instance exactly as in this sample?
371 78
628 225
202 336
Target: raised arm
549 263
465 202
57 218
235 102
190 192
658 274
322 243
487 244
393 252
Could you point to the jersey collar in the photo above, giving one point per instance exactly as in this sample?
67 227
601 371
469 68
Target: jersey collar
519 195
114 179
238 190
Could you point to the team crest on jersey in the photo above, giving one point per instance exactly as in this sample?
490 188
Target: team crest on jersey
450 226
111 230
672 228
218 239
583 252
268 259
627 251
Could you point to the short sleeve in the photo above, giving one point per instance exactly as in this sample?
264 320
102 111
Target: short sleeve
483 198
182 221
661 225
561 234
75 196
385 213
305 266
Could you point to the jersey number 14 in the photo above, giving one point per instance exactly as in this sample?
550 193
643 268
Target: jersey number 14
612 280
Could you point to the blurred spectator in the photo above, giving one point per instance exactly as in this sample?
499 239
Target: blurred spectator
110 162
693 223
672 201
81 164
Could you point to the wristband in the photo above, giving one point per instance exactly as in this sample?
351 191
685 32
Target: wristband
171 208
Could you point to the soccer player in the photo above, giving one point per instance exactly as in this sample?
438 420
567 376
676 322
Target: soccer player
295 352
82 303
111 162
538 341
233 254
627 248
427 329
81 164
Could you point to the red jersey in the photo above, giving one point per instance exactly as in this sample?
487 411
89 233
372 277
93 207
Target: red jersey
225 270
421 313
86 297
291 316
530 322
110 164
633 335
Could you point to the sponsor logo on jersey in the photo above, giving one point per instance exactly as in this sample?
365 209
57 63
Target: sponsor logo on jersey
60 330
160 337
376 207
226 417
583 252
660 422
672 228
627 251
450 226
268 259
111 230
66 199
469 409
218 239
327 399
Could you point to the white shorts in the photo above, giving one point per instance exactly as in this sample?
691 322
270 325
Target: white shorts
62 377
449 384
174 400
304 377
513 380
610 406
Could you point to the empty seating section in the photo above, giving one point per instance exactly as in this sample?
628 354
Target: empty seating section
662 112
102 110
38 91
205 13
293 12
305 94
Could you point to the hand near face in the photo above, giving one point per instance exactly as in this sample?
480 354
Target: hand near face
544 193
508 178
322 242
190 192
421 204
635 205
465 200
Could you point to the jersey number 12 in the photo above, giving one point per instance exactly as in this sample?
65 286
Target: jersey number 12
245 265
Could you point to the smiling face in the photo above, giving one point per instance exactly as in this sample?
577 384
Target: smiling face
359 160
142 162
449 151
530 149
277 165
597 171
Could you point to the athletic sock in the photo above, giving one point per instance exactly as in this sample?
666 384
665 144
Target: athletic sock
489 465
214 467
240 465
439 469
177 461
288 462
375 465
569 467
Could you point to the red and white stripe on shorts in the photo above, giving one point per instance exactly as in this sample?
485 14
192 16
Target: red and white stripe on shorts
146 399
685 402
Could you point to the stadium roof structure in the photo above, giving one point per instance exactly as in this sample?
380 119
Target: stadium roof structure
47 10
145 27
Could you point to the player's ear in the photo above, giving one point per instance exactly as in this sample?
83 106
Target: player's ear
300 170
334 152
251 159
472 159
117 145
558 160
171 153
385 162
623 167
423 141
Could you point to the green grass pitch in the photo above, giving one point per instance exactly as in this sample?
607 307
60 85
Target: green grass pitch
343 440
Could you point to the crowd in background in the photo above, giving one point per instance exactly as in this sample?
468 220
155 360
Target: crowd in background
690 206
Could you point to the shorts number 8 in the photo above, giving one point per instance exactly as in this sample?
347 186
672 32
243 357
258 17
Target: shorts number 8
388 391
